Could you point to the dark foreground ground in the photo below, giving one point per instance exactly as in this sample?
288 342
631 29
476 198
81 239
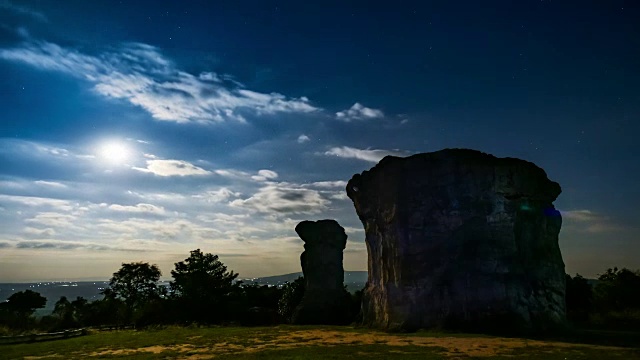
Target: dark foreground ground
312 342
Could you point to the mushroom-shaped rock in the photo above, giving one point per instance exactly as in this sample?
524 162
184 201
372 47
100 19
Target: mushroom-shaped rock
461 239
325 300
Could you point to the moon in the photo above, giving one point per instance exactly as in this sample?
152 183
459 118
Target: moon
114 152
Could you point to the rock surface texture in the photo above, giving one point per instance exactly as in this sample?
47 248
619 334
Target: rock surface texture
460 239
325 300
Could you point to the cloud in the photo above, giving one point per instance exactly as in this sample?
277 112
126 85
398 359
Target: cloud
225 219
37 201
303 139
140 74
362 154
209 76
22 10
52 219
589 221
264 175
173 230
39 150
284 198
232 174
217 196
4 245
579 215
358 112
333 190
157 196
339 196
172 168
350 229
69 245
139 208
53 184
48 232
328 184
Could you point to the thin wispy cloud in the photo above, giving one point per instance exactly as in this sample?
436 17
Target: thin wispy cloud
138 208
359 112
580 215
53 184
328 184
143 76
172 168
232 174
22 10
370 155
68 245
16 147
589 221
35 201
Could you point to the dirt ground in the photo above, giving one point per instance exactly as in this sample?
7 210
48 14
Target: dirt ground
454 346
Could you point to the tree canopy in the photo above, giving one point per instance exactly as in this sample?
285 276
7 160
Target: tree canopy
201 276
292 294
24 303
135 283
203 284
618 289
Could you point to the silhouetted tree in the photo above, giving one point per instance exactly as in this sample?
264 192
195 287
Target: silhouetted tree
25 303
579 297
107 311
202 286
80 310
64 311
616 300
136 284
19 307
69 314
264 296
292 293
259 304
618 290
356 305
153 312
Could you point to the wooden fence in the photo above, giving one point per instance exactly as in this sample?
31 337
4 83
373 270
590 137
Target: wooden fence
114 327
42 337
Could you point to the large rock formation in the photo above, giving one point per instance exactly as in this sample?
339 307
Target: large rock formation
459 238
325 300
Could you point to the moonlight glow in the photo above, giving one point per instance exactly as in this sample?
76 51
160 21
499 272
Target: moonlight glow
114 152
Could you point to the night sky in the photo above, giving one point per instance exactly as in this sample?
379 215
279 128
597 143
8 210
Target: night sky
141 130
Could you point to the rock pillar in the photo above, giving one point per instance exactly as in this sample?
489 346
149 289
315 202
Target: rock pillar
461 239
325 300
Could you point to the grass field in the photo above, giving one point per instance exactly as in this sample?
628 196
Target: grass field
297 342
